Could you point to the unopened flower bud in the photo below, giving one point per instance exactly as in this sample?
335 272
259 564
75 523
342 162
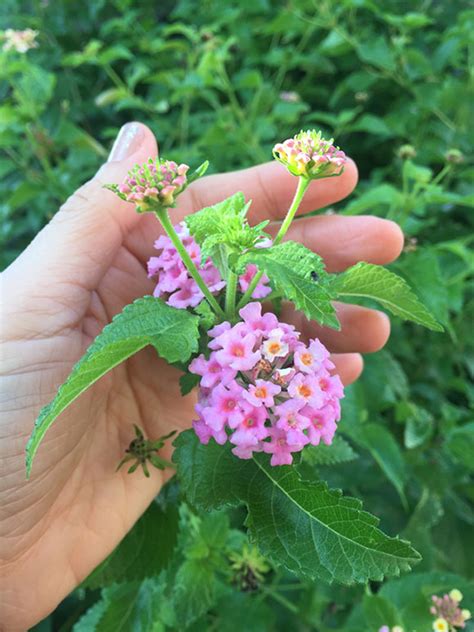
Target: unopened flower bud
309 155
406 151
153 186
454 156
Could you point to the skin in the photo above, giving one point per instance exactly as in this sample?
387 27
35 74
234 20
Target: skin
78 272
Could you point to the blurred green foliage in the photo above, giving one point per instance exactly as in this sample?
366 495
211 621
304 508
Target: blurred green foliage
224 81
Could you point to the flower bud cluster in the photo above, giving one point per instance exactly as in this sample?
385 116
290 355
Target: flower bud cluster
308 154
449 616
178 287
264 390
153 185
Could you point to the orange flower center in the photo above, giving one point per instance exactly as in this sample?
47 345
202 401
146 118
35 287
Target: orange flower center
261 392
307 359
274 347
304 390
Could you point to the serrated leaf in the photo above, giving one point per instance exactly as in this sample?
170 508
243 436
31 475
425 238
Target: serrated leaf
299 274
311 530
144 552
194 590
385 450
366 280
338 452
135 606
147 321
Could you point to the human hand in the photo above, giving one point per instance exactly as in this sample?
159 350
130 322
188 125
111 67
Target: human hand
58 295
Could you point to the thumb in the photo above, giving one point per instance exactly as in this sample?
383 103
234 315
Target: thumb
80 242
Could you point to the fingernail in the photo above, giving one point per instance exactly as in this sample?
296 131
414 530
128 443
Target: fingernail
127 142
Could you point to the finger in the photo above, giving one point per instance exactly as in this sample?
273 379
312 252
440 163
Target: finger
80 242
269 186
343 241
349 366
363 330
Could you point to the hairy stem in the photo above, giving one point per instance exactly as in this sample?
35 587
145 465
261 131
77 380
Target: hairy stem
303 184
165 221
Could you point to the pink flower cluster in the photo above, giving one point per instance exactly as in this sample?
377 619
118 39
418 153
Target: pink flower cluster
178 287
153 185
449 615
310 155
264 390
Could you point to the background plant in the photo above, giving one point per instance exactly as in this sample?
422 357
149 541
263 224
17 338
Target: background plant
225 82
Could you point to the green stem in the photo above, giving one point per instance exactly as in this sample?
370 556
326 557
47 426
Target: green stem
286 603
165 221
303 184
444 171
230 294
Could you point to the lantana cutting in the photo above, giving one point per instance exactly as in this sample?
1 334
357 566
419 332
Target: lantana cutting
261 387
268 400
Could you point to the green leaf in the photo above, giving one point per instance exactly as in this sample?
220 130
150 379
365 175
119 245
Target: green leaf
378 52
385 450
418 426
460 445
144 552
311 530
194 590
147 321
338 452
299 274
135 606
187 382
366 280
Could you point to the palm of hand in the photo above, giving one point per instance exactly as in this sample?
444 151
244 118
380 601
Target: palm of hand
76 508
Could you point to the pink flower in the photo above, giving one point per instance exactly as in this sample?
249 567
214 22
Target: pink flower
291 419
309 358
261 393
237 351
223 407
204 432
322 424
261 290
306 387
274 346
252 316
211 371
174 278
254 393
189 295
331 386
251 429
280 448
